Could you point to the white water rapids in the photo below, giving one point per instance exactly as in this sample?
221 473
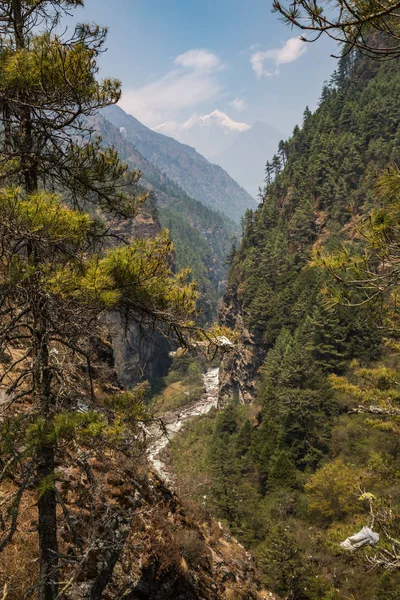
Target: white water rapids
173 421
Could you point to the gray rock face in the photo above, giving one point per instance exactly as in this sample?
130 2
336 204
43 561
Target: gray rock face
139 354
238 368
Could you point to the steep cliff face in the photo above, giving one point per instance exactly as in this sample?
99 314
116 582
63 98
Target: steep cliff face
139 353
238 368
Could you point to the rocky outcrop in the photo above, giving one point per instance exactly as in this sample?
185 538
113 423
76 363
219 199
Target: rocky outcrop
180 558
238 368
140 353
126 536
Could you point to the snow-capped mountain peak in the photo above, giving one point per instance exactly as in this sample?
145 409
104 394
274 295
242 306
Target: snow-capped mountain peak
218 118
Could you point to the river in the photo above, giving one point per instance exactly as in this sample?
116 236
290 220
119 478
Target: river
174 421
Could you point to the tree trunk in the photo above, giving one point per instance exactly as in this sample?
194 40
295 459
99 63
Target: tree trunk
48 544
43 400
47 503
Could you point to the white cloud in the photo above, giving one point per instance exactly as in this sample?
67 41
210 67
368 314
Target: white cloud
171 128
192 82
291 51
257 62
238 104
198 59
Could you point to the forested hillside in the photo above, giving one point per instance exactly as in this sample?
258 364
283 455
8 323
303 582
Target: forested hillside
300 468
202 236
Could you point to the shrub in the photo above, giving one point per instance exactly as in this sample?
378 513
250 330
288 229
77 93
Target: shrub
333 490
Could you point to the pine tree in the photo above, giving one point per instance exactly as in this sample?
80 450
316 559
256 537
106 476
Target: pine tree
269 170
371 28
276 165
58 276
222 462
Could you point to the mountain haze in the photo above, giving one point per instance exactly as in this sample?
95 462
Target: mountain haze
241 149
202 237
200 179
209 134
246 157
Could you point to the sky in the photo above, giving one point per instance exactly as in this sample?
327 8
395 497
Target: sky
182 58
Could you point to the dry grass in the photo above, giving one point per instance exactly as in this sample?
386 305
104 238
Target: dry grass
19 567
170 398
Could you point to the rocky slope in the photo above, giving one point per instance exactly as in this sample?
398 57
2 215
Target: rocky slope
205 182
241 149
123 533
140 542
238 369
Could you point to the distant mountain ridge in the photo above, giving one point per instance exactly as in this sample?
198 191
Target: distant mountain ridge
202 237
239 148
200 179
219 118
208 134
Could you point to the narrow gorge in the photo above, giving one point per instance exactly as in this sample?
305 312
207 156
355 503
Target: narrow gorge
160 433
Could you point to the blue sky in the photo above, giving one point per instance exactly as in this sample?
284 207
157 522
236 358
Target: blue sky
179 58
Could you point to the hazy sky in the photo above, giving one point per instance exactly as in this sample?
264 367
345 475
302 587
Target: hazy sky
179 58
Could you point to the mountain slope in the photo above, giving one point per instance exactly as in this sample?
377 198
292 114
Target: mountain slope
200 179
241 149
288 470
202 237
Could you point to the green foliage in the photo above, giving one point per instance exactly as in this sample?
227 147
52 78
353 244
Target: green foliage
202 240
334 490
182 385
289 572
288 482
297 405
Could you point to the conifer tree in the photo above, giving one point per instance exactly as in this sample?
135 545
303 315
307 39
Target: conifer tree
269 170
371 27
276 165
59 276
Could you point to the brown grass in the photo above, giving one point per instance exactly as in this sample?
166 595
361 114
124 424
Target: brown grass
19 567
170 398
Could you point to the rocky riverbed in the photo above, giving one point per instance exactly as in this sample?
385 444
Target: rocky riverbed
160 434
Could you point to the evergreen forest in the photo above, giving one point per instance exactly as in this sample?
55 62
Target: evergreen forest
315 456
